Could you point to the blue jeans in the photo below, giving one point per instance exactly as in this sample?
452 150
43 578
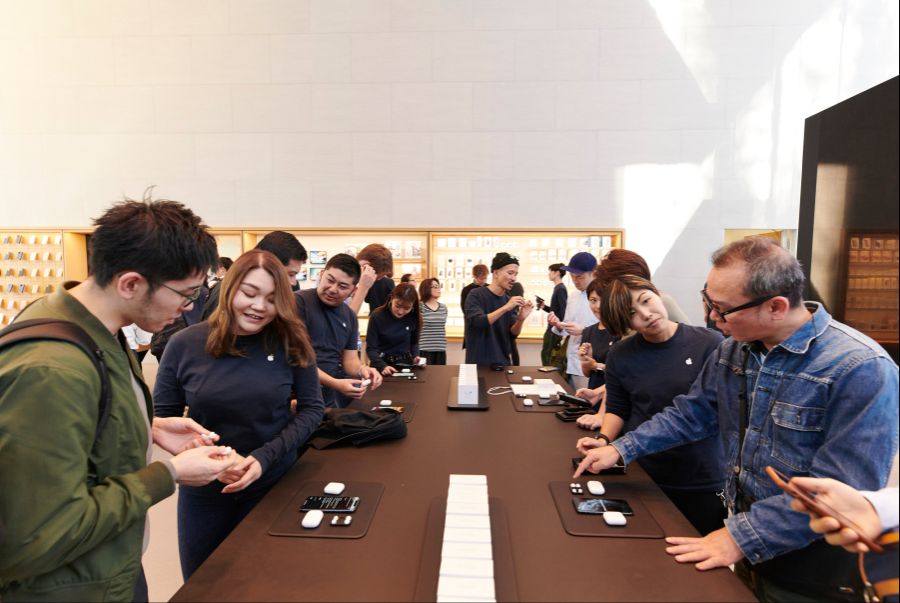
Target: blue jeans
206 517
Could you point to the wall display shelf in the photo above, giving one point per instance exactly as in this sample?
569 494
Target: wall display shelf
453 254
34 263
871 288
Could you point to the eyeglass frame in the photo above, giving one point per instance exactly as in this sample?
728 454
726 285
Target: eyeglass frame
710 306
189 299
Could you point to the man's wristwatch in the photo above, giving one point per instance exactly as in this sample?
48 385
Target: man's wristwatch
602 436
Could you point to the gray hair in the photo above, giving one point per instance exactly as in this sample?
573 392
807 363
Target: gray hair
771 269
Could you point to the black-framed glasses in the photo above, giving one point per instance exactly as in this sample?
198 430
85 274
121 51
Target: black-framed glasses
188 298
711 306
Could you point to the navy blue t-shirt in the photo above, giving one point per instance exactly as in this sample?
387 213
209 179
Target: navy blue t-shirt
379 293
642 379
245 399
388 335
331 329
487 343
558 300
601 341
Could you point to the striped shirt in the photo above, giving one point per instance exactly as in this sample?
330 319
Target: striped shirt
434 328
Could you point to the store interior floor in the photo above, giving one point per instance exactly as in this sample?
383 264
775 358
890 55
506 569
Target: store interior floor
161 560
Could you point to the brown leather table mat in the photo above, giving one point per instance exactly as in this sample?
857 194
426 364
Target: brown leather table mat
639 525
504 567
519 455
288 521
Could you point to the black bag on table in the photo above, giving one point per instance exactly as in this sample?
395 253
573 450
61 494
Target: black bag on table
344 426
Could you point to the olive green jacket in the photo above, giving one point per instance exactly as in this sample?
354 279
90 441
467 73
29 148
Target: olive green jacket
74 517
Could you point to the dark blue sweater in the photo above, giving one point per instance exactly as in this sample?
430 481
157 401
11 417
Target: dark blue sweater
388 335
246 400
643 378
487 343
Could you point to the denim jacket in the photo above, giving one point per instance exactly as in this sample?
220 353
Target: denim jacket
824 403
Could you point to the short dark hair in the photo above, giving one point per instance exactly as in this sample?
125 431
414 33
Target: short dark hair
406 277
161 239
379 257
225 262
620 262
595 286
557 268
771 269
284 246
346 263
479 271
615 302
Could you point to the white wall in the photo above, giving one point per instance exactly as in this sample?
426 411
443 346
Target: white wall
671 119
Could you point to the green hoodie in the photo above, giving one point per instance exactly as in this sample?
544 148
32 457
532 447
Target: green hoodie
74 517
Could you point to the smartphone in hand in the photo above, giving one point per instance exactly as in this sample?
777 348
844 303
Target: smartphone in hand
819 507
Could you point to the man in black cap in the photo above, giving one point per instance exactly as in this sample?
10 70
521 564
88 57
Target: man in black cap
493 317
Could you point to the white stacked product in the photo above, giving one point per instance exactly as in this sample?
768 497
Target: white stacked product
467 386
467 560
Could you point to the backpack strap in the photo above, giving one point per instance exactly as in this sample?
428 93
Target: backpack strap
69 332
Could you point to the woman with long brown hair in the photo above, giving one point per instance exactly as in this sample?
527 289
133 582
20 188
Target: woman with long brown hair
236 374
392 337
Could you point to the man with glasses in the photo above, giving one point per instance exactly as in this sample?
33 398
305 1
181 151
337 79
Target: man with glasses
74 493
791 388
334 331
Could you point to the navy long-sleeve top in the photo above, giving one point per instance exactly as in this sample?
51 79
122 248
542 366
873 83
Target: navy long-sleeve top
488 343
642 379
389 335
558 300
601 341
246 400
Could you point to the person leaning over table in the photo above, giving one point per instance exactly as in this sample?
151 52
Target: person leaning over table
596 342
75 510
392 337
375 283
578 315
237 374
334 331
644 372
793 388
492 316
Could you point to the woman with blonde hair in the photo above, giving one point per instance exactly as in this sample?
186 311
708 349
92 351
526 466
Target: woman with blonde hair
236 374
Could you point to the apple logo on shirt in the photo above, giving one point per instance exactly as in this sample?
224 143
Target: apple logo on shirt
689 362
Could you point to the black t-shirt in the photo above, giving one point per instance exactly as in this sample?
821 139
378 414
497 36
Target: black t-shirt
558 300
465 294
331 329
600 341
379 293
391 336
487 343
642 379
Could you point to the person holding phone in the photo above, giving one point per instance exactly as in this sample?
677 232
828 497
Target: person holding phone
872 512
237 374
578 315
555 274
691 474
595 344
790 388
392 336
334 331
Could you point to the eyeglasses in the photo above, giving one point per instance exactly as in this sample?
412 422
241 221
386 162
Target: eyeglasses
188 299
435 286
711 306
